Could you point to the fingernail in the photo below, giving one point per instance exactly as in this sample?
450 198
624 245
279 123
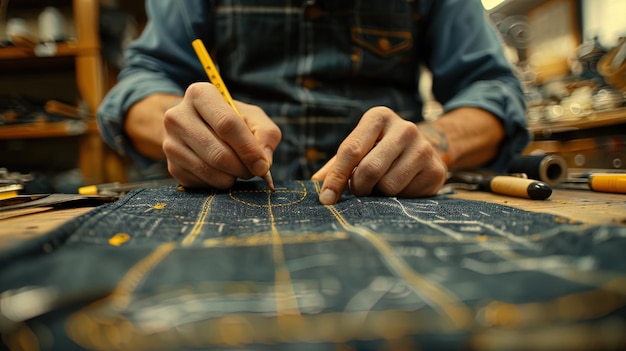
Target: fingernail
260 167
328 197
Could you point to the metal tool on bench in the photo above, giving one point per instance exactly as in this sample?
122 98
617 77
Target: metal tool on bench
117 188
91 195
53 200
601 182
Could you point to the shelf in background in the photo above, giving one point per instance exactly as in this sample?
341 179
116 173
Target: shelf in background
74 72
47 129
62 50
594 120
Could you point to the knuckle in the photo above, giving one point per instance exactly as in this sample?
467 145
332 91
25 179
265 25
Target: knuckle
440 173
379 116
425 151
249 151
380 112
173 150
351 148
370 172
168 146
274 134
200 169
375 117
219 158
436 176
411 132
196 89
224 123
171 120
430 152
388 187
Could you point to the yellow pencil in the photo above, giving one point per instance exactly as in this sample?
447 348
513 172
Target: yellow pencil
211 71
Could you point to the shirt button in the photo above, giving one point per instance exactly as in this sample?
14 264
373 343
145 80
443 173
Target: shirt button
384 44
313 155
312 12
309 83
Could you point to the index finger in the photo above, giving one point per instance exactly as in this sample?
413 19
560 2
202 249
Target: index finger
350 153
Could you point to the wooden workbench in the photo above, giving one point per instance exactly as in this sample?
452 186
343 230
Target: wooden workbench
581 205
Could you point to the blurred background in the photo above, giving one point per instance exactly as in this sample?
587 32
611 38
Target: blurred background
571 56
59 57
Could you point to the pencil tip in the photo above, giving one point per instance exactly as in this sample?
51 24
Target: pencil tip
268 179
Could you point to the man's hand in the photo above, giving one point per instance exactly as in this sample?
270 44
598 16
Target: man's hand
384 154
208 144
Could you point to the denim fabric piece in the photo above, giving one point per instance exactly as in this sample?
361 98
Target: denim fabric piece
172 269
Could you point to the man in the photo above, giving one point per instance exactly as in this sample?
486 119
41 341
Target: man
327 90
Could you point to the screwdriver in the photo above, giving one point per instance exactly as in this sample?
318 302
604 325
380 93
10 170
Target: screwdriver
603 182
504 184
518 187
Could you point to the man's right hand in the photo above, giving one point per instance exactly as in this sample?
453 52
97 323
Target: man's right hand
207 143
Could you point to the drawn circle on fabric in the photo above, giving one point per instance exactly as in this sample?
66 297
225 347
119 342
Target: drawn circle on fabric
277 198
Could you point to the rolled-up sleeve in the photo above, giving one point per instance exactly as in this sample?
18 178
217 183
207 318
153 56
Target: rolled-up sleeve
161 60
470 69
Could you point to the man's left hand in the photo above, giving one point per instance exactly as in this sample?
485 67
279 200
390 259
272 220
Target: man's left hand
385 155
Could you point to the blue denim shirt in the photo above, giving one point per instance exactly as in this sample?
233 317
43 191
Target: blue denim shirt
315 66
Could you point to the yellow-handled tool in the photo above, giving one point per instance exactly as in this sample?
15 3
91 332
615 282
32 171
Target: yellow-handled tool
600 182
517 187
608 182
502 184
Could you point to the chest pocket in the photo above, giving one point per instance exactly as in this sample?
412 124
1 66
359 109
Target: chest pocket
382 36
380 42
